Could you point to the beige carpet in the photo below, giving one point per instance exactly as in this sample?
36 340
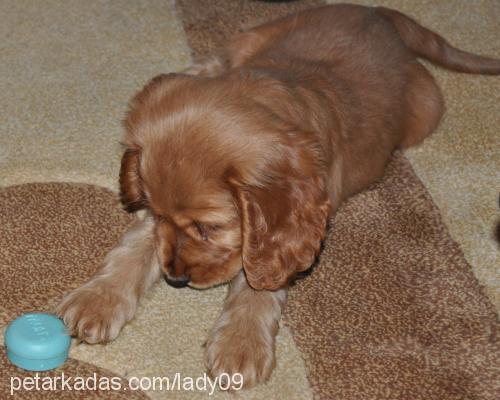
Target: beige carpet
67 71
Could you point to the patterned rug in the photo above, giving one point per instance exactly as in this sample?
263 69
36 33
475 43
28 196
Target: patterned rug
392 311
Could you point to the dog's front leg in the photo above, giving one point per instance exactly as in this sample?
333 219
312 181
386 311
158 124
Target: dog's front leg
243 338
97 311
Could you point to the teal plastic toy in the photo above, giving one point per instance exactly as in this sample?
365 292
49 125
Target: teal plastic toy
37 342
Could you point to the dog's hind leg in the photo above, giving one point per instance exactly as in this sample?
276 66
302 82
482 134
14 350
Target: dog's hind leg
424 106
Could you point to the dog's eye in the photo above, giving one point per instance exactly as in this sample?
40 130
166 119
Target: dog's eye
160 218
201 230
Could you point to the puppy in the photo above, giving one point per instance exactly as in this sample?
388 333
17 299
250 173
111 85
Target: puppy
241 160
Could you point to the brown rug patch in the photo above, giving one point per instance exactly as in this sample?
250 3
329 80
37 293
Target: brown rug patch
74 372
392 311
53 237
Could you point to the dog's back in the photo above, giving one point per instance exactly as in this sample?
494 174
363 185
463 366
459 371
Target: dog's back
363 61
347 37
350 35
366 57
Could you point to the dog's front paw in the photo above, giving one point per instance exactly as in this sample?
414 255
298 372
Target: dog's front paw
95 313
229 351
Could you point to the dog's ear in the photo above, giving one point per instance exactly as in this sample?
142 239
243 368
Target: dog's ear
283 222
131 191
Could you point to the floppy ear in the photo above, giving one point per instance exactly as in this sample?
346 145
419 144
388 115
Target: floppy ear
283 223
131 192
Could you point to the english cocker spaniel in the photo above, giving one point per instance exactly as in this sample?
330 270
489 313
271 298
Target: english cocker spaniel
240 161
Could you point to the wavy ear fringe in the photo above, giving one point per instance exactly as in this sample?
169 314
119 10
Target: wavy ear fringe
131 192
283 223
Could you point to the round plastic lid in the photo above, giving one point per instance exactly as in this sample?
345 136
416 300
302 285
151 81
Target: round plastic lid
37 342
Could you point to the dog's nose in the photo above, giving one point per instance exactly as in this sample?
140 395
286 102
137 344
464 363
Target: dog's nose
177 281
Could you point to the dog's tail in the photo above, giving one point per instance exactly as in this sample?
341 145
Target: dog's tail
429 45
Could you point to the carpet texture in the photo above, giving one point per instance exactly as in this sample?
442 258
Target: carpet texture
68 70
425 329
70 370
53 237
393 311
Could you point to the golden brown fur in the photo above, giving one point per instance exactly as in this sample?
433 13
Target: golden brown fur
240 165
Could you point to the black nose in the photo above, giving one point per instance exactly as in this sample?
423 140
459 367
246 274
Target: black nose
178 281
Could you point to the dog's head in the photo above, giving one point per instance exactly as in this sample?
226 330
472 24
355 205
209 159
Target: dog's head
228 182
